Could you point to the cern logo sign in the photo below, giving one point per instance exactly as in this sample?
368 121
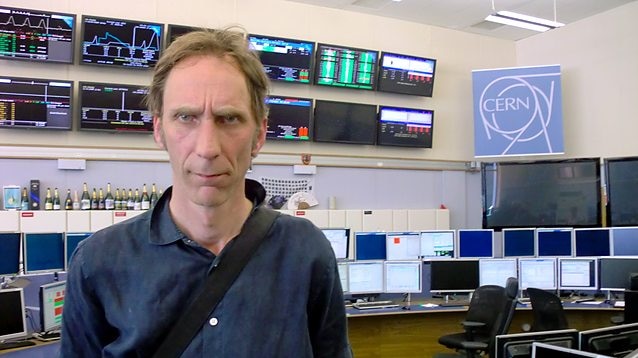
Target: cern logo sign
517 111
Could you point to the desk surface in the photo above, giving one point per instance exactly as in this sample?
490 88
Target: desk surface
398 333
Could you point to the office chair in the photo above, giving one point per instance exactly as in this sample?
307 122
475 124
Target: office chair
489 314
547 311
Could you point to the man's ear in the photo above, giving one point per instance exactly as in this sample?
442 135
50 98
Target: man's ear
260 137
158 134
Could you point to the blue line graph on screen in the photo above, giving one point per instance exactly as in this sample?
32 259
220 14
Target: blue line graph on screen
517 111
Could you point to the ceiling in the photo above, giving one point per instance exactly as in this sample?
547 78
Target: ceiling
469 15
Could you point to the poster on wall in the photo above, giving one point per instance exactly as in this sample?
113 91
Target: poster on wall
517 111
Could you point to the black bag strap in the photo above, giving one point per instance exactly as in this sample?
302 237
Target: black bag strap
220 279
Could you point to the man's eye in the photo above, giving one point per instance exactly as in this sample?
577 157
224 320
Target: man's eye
184 117
230 118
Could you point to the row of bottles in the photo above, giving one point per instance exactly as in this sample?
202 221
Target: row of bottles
98 199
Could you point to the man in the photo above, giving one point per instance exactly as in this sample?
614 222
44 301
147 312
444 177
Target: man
129 283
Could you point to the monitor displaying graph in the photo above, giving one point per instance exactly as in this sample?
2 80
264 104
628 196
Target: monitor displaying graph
35 103
340 66
36 35
122 43
114 107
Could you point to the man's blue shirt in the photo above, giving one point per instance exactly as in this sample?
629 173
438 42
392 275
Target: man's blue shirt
129 283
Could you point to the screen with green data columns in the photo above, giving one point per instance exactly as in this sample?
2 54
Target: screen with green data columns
346 67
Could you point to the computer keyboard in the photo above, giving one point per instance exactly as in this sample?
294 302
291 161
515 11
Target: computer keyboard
454 304
16 344
374 305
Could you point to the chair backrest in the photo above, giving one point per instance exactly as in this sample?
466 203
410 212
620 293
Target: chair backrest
486 306
511 292
631 306
547 310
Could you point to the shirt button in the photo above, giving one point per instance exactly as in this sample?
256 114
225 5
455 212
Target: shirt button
213 321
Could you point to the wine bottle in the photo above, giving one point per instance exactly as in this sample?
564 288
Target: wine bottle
137 203
94 200
24 203
109 203
101 204
118 200
85 204
76 201
154 197
48 201
130 203
68 202
146 202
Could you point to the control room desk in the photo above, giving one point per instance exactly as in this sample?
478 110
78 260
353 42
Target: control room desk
397 333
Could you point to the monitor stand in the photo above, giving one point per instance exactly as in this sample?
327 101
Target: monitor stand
407 301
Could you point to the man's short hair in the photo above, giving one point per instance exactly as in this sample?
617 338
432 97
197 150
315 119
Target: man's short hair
225 44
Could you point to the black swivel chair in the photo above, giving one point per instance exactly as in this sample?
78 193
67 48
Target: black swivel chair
489 314
547 311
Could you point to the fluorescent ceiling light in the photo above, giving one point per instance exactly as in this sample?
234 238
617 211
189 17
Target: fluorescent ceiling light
523 21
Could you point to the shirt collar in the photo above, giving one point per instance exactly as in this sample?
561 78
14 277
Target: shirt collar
163 230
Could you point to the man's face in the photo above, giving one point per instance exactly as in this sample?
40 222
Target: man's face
208 130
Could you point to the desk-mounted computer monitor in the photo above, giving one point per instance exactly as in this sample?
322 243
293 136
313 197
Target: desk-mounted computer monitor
339 240
71 241
437 244
497 271
537 273
403 245
615 271
43 252
578 273
51 306
614 341
519 345
369 245
365 277
544 350
9 253
552 242
592 241
475 243
403 276
624 241
519 242
13 323
445 276
343 276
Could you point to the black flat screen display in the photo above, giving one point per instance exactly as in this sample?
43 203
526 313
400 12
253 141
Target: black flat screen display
343 122
406 74
405 127
114 107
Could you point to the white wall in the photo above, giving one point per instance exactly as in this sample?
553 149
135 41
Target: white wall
599 64
457 54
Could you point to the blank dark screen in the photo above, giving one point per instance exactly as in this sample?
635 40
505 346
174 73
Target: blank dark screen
12 321
554 242
445 275
518 242
614 272
342 122
370 246
476 243
9 253
594 242
44 252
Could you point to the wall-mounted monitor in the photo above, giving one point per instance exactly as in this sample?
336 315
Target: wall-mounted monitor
344 122
445 277
114 107
36 35
71 241
347 67
519 345
403 276
577 273
621 178
35 103
365 277
284 59
406 74
497 271
519 242
175 31
554 242
120 43
289 118
43 252
9 253
369 245
403 245
549 193
615 272
339 240
13 324
51 307
437 244
475 243
592 241
614 341
537 273
405 127
624 241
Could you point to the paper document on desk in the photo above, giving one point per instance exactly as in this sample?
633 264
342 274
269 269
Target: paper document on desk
595 303
429 305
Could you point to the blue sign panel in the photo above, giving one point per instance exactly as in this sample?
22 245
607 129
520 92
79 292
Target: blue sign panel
517 111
